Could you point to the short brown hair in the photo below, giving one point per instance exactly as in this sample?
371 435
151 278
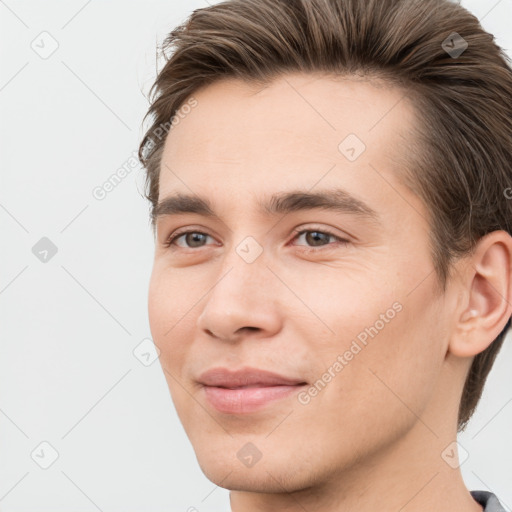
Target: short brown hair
460 160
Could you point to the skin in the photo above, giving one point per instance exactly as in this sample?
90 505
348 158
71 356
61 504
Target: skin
373 437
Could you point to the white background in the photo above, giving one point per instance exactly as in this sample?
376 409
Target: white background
69 326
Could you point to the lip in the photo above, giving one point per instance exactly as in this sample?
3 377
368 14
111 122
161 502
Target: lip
246 390
247 376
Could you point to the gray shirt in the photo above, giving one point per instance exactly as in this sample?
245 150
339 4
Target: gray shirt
488 500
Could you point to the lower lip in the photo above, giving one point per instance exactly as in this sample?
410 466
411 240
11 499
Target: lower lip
246 400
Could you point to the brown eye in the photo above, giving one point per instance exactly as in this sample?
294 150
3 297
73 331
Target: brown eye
317 238
192 239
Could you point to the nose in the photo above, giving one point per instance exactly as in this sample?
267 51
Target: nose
242 302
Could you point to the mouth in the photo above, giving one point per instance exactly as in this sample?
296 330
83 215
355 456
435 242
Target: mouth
248 399
260 385
247 389
247 376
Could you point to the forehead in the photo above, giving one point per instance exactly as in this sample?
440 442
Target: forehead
301 103
298 131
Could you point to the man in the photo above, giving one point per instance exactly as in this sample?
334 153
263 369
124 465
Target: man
332 272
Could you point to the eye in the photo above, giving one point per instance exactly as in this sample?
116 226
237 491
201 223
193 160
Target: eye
195 238
318 238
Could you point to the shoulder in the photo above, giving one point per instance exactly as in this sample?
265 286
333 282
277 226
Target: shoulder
488 500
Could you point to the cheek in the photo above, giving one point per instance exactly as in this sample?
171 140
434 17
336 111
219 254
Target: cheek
390 341
172 297
159 306
169 312
376 396
167 308
348 301
396 371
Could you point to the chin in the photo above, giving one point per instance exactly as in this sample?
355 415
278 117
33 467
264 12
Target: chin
261 480
270 474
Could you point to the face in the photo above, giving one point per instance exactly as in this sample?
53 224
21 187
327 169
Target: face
338 293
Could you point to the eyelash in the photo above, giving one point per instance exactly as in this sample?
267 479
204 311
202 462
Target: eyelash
297 233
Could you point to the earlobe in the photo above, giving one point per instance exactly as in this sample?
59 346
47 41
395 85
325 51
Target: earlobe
488 304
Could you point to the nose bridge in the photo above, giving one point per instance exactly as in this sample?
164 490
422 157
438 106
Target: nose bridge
239 296
242 275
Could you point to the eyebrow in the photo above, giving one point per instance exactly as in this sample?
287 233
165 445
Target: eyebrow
338 200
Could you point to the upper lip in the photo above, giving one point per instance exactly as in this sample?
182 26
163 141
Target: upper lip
247 376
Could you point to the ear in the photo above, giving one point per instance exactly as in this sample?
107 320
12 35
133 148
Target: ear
487 286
